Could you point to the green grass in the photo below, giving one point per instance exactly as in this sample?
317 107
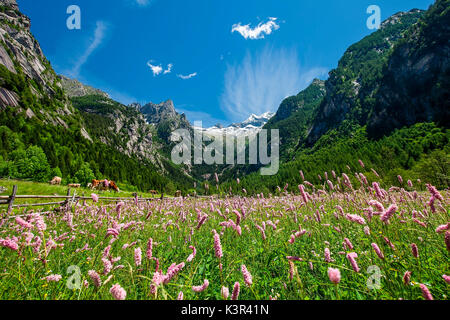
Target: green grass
173 226
36 188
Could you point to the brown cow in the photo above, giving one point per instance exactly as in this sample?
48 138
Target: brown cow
95 183
104 185
178 194
113 185
56 181
74 185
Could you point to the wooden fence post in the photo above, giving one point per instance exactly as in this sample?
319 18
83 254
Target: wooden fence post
66 203
11 199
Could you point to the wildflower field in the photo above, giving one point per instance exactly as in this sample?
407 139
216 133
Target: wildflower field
339 241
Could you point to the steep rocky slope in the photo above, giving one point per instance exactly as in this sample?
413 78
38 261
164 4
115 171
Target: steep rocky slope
98 135
351 87
416 81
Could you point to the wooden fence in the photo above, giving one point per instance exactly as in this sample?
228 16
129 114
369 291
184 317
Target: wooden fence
67 199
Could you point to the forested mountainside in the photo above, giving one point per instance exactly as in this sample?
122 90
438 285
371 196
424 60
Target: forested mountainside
44 133
387 103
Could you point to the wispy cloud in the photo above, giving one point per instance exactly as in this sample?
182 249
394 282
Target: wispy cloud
258 32
143 3
157 69
99 35
169 68
260 82
189 76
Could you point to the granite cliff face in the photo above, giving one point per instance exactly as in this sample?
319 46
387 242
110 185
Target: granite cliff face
20 50
27 81
164 112
74 88
73 123
352 86
416 82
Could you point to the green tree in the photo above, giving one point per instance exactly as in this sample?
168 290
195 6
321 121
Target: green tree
84 175
30 164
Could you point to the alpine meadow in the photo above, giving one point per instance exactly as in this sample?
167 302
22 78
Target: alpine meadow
334 185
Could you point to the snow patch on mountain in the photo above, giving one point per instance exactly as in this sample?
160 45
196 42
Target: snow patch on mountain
251 126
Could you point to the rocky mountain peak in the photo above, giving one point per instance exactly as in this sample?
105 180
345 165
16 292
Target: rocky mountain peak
10 3
74 88
397 18
20 50
156 113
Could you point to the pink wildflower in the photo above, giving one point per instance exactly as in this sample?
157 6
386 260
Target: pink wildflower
202 287
52 278
434 192
443 228
118 292
172 271
138 256
389 213
225 293
328 255
407 277
447 240
149 252
235 293
348 243
425 292
303 193
351 257
446 278
94 197
180 296
9 243
217 245
415 250
247 276
334 275
95 277
119 206
377 251
361 163
107 266
192 255
291 258
24 224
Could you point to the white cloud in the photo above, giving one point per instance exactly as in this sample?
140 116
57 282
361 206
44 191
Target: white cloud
262 81
158 69
169 68
189 76
143 3
99 36
258 32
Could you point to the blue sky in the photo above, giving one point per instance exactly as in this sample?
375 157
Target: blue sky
219 61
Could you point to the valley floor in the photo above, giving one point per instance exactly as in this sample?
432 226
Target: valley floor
365 243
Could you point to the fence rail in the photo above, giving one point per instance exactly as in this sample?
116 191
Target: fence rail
67 199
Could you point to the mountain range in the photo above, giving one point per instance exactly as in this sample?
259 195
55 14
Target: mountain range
389 94
251 126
